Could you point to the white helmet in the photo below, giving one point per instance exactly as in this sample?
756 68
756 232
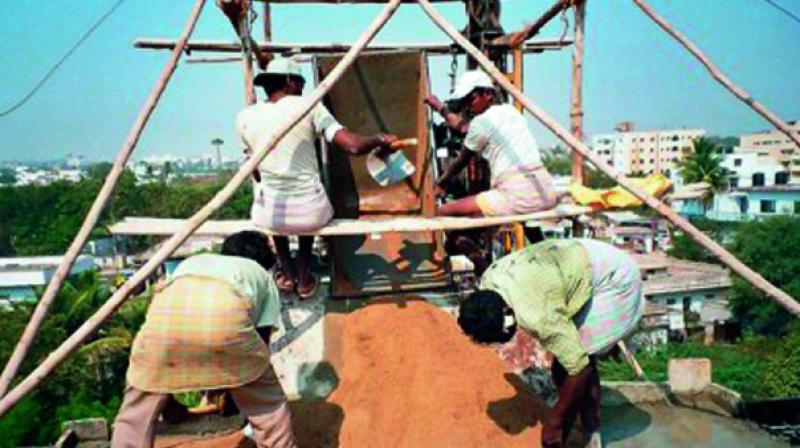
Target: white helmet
470 81
276 68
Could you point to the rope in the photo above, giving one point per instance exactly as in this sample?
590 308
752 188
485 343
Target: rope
61 60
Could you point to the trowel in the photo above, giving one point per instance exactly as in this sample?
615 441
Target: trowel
392 168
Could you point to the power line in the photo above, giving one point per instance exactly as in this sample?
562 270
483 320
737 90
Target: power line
61 60
783 10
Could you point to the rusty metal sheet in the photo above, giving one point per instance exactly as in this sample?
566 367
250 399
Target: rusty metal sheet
383 93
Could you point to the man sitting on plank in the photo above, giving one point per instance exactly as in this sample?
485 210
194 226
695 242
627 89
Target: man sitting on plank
289 197
579 298
209 329
519 181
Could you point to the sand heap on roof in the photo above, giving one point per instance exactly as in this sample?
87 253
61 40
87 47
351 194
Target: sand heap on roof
409 378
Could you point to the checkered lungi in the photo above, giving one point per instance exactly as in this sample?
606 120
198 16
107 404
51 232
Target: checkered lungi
198 334
617 302
519 191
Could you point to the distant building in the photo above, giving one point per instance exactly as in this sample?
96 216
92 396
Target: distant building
633 232
21 275
759 186
645 152
773 143
694 294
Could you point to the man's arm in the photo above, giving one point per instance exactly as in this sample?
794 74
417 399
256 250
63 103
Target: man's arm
559 335
356 145
453 120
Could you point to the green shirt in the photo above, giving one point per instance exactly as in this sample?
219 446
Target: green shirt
546 284
247 278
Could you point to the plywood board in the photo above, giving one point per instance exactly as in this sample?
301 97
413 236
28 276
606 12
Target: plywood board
383 93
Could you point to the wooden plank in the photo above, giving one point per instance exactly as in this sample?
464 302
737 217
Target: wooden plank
384 93
329 48
166 226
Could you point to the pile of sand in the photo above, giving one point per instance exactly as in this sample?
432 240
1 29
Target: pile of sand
409 378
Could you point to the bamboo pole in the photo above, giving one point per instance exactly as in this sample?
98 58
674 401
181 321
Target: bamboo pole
267 18
72 343
637 369
724 256
11 368
515 39
247 54
516 74
576 109
717 74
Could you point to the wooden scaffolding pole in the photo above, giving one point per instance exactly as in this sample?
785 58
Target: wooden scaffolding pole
72 343
64 267
515 39
433 48
247 54
717 74
576 108
724 256
267 18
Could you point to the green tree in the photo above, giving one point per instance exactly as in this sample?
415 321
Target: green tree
704 165
557 163
782 368
91 382
768 247
7 176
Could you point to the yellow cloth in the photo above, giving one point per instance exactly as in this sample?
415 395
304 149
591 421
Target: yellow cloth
618 197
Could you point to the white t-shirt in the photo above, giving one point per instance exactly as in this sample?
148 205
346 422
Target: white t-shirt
502 137
293 162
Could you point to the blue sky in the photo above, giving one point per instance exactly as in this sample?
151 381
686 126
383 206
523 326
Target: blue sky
633 71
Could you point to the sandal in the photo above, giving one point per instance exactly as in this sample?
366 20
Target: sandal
308 292
284 282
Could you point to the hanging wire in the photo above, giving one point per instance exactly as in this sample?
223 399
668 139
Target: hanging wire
61 60
785 11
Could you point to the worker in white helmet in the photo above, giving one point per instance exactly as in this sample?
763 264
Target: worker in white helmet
289 196
519 181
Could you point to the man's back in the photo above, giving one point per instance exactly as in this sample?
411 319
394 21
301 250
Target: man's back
294 159
543 276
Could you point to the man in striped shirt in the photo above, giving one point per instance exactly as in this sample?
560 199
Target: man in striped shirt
579 298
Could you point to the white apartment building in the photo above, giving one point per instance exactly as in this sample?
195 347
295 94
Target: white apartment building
645 152
775 144
760 186
771 143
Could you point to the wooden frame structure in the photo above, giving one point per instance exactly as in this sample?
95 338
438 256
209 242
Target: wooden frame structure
191 225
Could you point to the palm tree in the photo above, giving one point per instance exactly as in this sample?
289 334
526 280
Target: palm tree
703 165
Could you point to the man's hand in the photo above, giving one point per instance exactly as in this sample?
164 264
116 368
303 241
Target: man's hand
384 141
384 144
434 102
438 191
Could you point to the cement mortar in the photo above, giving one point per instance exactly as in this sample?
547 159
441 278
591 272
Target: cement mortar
658 426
